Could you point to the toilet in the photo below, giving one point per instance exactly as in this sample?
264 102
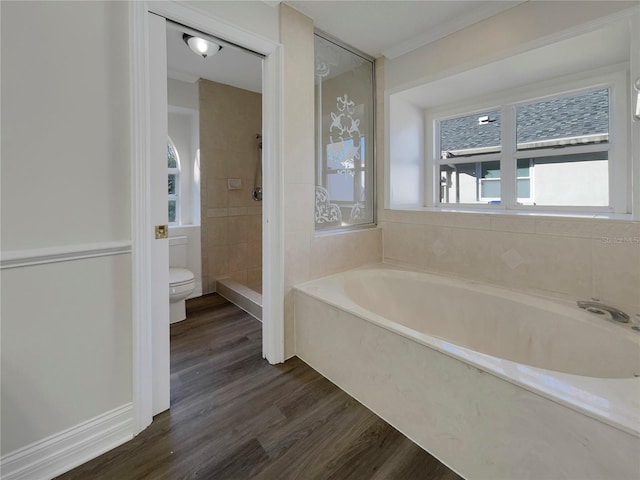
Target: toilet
181 280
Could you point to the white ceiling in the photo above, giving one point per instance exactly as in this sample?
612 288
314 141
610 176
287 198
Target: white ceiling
230 65
605 46
389 28
392 28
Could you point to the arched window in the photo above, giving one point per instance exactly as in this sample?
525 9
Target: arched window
173 166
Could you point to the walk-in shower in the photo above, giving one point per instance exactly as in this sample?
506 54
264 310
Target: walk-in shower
244 288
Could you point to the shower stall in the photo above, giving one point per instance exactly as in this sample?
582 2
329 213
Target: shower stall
230 177
244 224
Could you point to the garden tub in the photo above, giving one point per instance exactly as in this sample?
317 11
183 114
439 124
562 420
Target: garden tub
493 382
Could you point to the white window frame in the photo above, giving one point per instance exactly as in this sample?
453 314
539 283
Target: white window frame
615 78
176 172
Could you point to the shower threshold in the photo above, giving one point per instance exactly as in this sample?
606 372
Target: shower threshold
247 298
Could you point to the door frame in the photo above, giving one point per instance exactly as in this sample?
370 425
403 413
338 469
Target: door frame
142 228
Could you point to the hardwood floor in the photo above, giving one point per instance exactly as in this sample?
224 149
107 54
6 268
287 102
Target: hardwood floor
234 416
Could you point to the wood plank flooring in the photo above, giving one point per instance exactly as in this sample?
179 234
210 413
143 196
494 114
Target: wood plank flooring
234 416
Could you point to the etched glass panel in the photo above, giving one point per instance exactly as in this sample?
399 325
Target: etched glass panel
344 136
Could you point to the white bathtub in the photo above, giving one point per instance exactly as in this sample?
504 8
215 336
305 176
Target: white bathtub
495 383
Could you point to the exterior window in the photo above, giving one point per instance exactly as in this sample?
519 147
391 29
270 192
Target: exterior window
479 182
173 166
344 136
472 182
544 128
477 134
547 152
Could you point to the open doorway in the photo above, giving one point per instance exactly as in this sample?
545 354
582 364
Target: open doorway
150 126
214 169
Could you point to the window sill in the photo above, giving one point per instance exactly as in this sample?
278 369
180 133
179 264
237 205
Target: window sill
345 229
188 225
521 213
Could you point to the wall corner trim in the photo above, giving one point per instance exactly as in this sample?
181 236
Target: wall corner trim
65 450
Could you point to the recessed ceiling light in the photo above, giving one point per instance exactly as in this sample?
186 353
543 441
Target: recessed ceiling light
200 46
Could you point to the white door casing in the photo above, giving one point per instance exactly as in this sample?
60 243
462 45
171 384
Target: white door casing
149 134
158 209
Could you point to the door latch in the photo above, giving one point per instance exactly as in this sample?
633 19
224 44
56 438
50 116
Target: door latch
162 231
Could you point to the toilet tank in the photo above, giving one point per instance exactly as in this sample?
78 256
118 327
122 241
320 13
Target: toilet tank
178 251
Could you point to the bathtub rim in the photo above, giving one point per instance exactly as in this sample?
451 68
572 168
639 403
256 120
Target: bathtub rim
569 390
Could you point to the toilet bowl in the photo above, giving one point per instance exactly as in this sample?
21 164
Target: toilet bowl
181 285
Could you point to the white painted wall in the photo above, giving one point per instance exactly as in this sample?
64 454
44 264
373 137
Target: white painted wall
65 150
183 94
66 327
66 345
406 154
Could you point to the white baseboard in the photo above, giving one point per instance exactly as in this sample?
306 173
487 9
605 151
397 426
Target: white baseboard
63 451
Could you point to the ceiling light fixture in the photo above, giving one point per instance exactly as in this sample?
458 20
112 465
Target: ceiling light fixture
200 46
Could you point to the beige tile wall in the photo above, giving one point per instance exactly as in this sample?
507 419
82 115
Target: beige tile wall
308 256
579 258
230 118
296 34
343 251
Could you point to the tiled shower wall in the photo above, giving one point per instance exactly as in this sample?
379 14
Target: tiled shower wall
230 118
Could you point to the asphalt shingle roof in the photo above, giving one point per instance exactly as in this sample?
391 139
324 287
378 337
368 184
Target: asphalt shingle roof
574 116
